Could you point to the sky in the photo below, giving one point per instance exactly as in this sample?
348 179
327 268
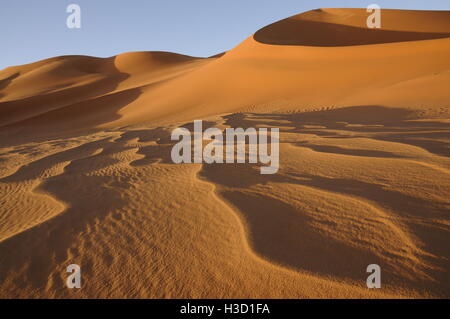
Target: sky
36 30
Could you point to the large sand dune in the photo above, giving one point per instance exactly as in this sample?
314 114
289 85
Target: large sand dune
86 175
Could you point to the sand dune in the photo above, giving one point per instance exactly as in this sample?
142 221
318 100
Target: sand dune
343 27
86 175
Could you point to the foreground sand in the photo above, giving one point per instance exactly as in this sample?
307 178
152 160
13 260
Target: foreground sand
86 175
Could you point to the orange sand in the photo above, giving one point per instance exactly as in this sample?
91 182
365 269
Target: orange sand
86 175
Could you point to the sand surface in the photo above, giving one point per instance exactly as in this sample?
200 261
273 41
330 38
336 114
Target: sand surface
86 175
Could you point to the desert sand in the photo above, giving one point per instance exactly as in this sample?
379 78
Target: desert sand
364 115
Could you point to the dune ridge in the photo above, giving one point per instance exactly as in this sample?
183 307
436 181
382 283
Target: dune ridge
86 175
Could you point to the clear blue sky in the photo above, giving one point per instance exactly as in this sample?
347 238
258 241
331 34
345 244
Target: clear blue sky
35 30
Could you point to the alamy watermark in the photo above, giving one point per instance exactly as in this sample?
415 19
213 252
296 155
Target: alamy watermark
74 279
73 21
374 279
231 148
374 20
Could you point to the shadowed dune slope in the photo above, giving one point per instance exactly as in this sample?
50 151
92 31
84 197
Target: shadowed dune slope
347 27
79 92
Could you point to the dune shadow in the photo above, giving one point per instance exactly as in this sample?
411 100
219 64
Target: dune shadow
7 81
60 109
293 31
378 122
285 235
349 151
